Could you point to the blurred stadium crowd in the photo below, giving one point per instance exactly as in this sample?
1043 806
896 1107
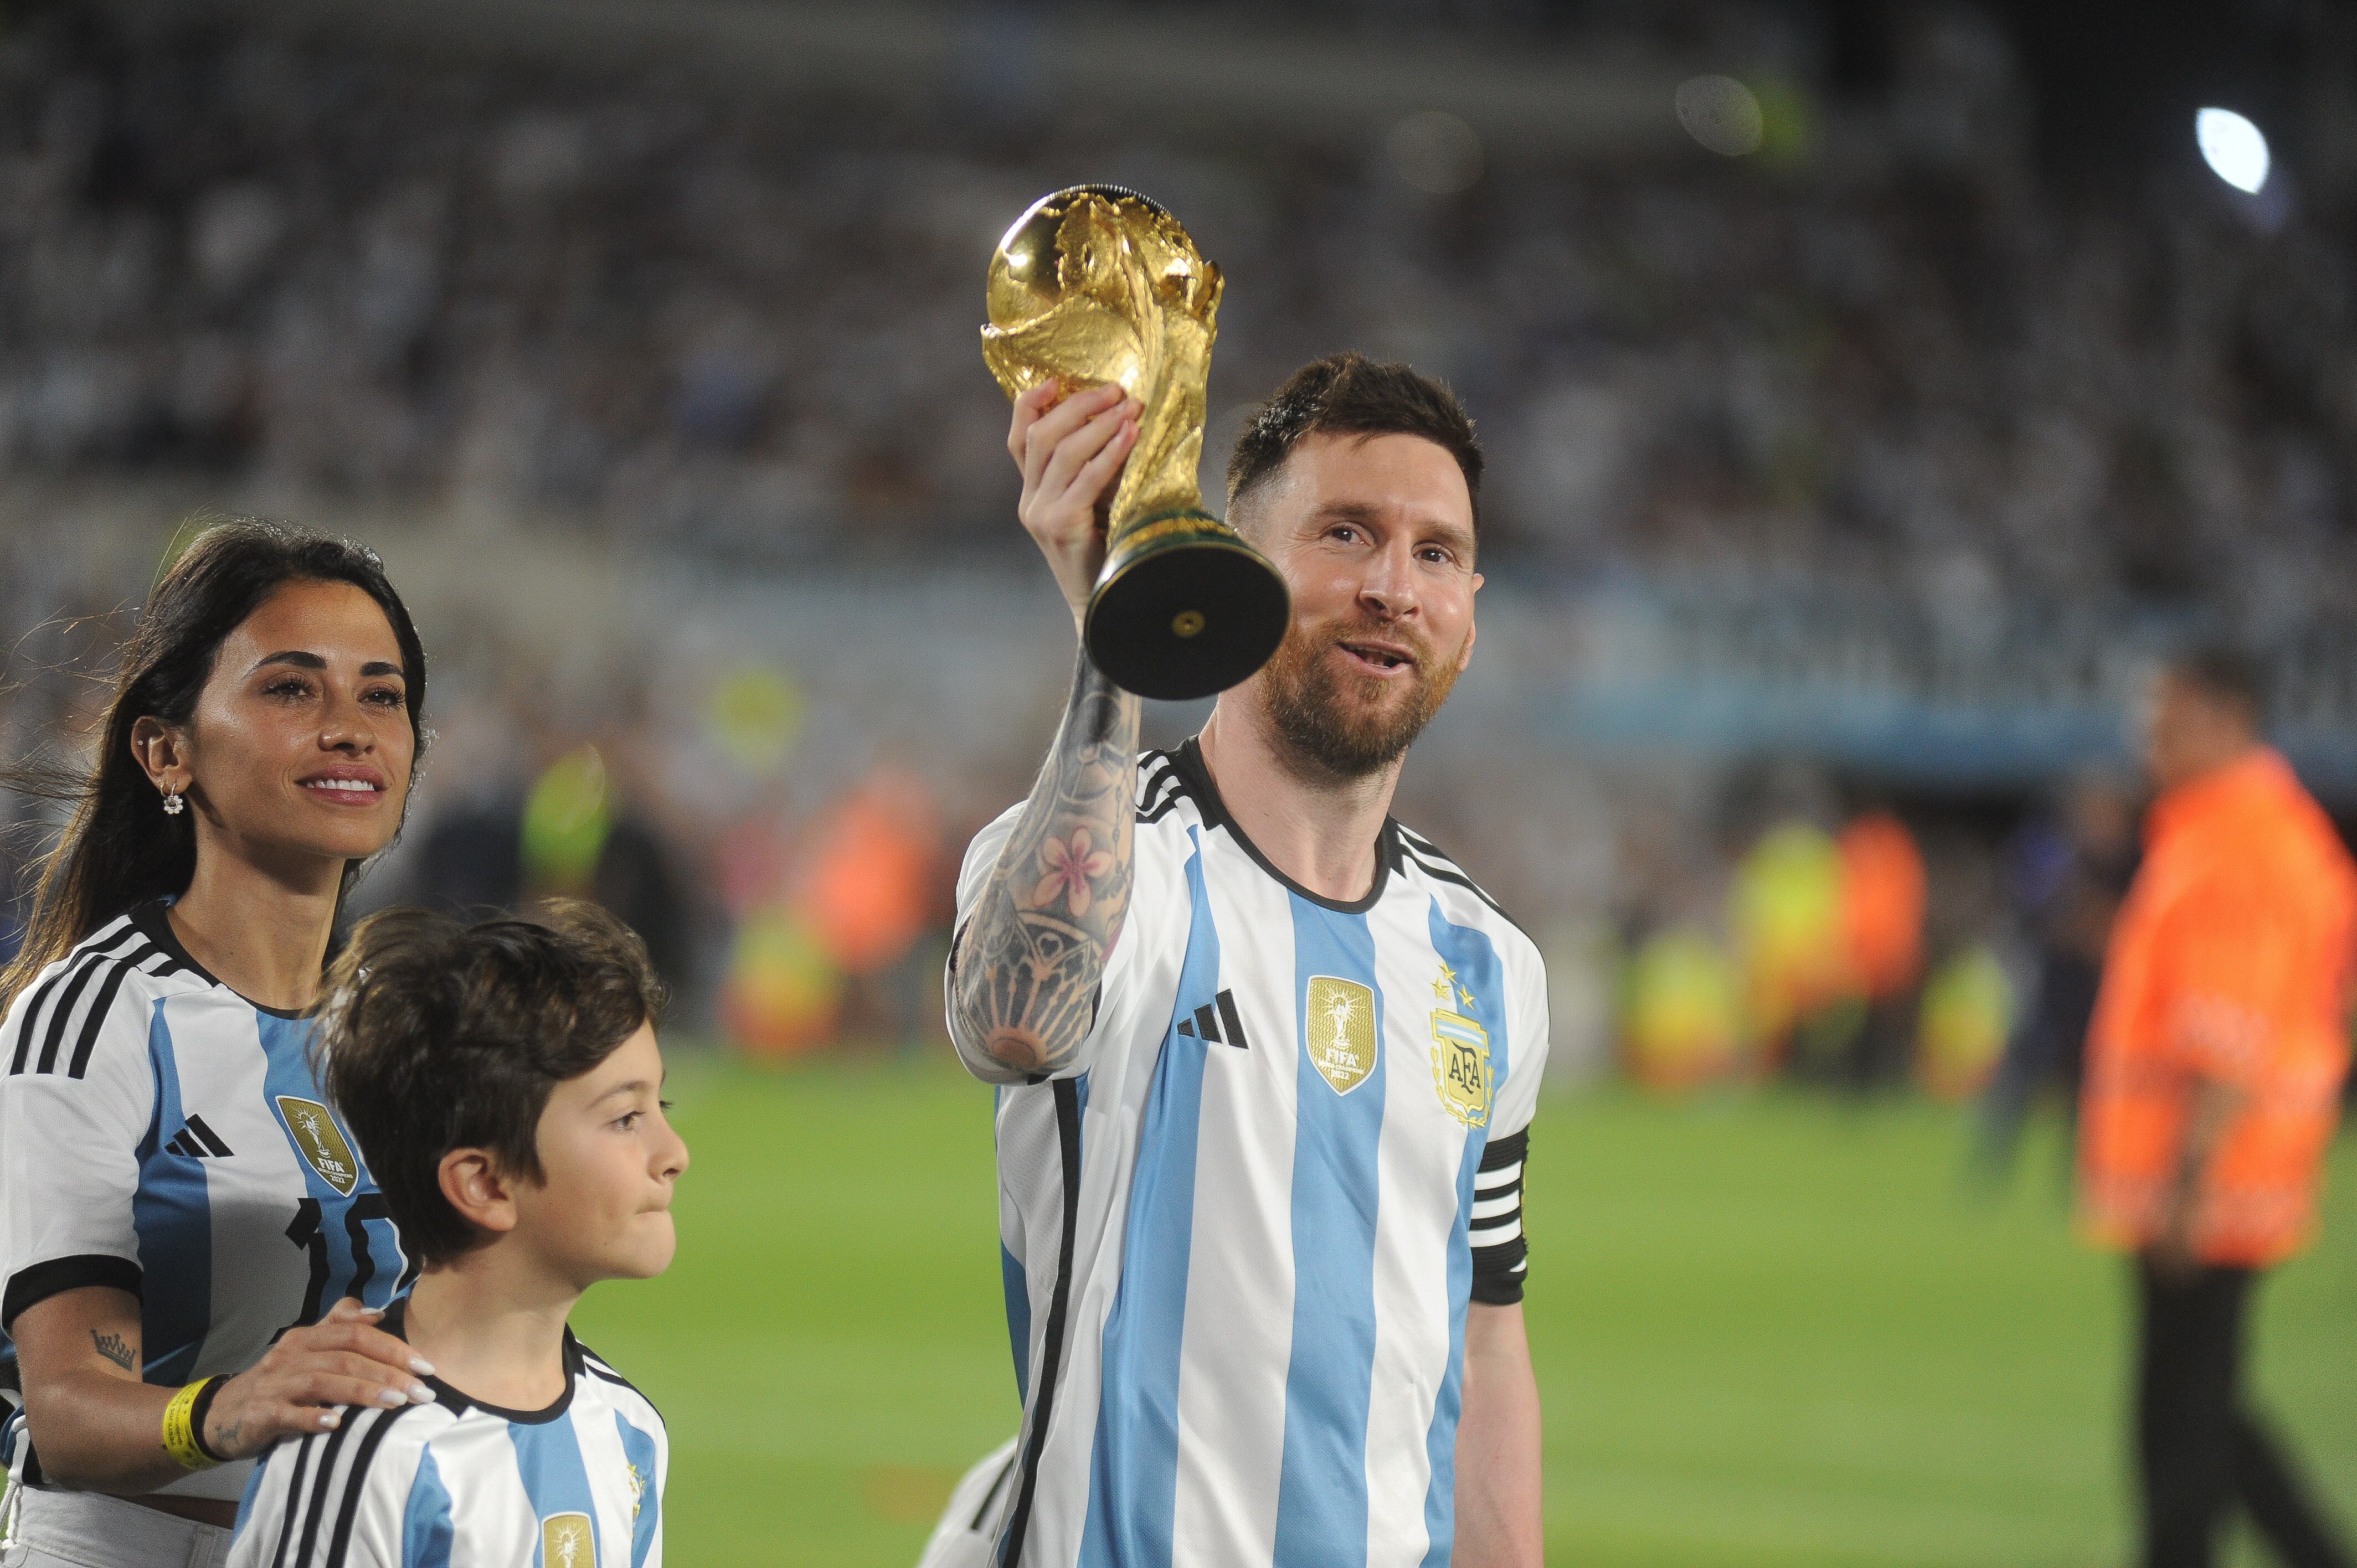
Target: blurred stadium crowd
666 407
748 331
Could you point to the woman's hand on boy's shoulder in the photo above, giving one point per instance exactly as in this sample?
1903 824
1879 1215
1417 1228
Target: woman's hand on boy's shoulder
302 1383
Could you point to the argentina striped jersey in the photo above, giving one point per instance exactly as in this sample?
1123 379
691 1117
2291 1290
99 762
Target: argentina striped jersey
163 1135
1241 1230
459 1483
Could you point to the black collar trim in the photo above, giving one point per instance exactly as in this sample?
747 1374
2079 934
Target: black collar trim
458 1403
1196 778
151 920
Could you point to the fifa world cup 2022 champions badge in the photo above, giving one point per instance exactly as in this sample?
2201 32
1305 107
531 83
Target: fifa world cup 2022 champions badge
565 1541
318 1140
1339 1021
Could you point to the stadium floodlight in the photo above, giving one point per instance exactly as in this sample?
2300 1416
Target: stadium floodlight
2233 148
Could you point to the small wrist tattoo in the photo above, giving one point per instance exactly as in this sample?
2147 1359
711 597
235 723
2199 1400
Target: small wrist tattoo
113 1348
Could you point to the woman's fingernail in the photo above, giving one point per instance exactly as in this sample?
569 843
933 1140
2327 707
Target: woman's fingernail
393 1396
420 1395
328 1418
421 1365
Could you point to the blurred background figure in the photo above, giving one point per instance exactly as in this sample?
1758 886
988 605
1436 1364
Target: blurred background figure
1967 1008
1682 1011
1882 902
577 830
2221 1038
1802 1010
2070 871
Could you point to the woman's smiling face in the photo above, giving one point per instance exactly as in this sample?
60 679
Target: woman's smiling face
301 745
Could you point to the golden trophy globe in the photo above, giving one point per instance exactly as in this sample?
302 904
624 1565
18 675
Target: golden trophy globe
1097 284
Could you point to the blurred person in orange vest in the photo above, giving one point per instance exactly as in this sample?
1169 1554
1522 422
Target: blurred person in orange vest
2214 1066
871 886
1882 897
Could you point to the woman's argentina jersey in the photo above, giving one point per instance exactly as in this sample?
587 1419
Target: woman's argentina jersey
1241 1231
161 1135
459 1483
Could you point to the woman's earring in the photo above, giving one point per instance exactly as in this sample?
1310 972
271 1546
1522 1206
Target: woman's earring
173 804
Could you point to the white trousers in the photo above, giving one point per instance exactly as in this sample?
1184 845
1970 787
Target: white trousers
90 1530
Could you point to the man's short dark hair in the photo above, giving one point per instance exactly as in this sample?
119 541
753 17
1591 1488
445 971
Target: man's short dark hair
2226 675
1349 394
437 1035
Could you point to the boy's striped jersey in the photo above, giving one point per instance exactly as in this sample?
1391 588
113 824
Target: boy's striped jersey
162 1136
1241 1231
459 1483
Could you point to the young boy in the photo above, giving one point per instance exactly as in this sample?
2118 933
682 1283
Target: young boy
504 1084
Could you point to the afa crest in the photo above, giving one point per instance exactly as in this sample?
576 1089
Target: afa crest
321 1142
1460 1066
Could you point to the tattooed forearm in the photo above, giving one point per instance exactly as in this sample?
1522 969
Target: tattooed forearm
1029 963
113 1348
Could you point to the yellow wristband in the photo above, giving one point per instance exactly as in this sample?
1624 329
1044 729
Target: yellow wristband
180 1438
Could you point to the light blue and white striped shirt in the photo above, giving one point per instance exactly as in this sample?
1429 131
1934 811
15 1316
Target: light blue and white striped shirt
459 1483
1241 1230
161 1135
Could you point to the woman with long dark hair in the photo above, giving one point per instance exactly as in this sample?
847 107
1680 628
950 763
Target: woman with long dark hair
191 1253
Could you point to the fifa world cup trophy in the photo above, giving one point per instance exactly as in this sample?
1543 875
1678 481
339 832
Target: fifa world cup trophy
1097 284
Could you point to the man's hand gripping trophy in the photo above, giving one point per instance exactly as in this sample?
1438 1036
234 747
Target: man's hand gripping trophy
1103 316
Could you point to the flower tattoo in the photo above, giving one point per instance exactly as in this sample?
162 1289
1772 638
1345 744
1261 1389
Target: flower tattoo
1070 868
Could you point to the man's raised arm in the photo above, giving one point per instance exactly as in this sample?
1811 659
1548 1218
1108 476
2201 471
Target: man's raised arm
1034 943
1035 946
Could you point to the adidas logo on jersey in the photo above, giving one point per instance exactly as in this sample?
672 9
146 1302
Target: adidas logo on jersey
1215 1022
199 1142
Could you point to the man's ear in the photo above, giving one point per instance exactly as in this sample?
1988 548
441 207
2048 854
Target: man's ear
482 1194
1473 631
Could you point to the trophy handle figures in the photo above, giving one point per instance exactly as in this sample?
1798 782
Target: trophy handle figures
1097 284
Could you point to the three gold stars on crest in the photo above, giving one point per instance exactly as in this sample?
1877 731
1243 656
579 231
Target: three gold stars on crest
1447 983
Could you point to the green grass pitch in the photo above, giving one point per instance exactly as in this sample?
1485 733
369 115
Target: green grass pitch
1769 1331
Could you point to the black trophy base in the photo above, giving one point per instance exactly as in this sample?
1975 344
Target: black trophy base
1186 611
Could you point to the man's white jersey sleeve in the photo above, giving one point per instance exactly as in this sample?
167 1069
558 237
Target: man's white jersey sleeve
1155 882
346 1499
1526 1000
76 1100
1501 1253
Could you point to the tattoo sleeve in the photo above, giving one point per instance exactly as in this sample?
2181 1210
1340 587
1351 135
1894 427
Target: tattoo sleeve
1035 945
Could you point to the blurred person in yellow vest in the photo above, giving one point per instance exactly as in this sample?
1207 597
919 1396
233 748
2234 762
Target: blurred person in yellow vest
1967 1010
586 833
1785 909
2214 1067
1680 1010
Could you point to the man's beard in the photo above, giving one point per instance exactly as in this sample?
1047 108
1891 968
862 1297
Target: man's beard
1334 722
